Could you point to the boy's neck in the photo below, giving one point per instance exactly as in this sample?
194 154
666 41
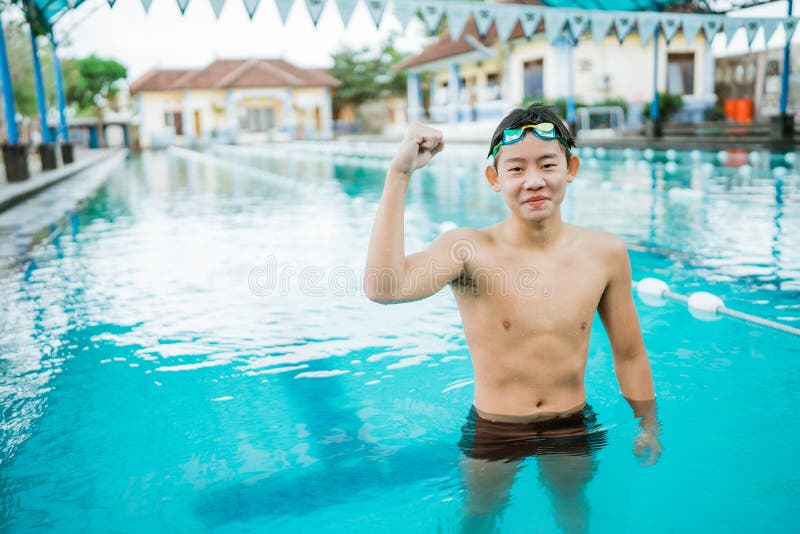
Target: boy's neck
535 234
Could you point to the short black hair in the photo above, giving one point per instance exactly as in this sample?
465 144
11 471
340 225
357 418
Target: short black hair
533 114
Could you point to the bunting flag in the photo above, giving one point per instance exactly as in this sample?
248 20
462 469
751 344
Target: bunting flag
457 17
315 9
623 24
646 23
732 25
110 3
250 6
770 26
578 23
483 19
432 16
530 18
505 21
376 9
146 5
601 24
554 22
404 11
751 28
691 27
284 6
182 5
217 6
711 27
346 8
670 25
789 26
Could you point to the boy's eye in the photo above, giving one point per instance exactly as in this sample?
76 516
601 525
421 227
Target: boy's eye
515 169
548 165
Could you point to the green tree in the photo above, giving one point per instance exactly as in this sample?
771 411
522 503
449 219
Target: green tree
367 75
92 82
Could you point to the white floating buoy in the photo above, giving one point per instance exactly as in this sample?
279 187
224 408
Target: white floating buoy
722 156
705 306
790 158
600 152
652 291
684 194
671 167
447 226
627 153
779 172
587 152
629 164
696 155
754 157
707 169
593 164
648 154
671 154
746 170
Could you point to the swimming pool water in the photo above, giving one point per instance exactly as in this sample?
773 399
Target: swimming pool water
190 350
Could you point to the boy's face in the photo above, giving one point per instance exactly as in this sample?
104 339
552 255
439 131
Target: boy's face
532 174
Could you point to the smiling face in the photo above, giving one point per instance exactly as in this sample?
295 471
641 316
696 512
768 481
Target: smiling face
532 175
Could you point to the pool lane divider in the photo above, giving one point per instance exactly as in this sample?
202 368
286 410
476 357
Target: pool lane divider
702 305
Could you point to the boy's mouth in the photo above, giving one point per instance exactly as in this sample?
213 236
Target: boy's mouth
535 201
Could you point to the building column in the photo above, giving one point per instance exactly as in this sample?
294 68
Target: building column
230 111
710 60
15 157
327 116
187 118
454 88
288 113
414 97
505 82
62 101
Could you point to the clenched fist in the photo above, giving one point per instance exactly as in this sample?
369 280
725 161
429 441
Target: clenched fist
419 145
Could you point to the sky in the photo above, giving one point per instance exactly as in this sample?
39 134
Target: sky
164 38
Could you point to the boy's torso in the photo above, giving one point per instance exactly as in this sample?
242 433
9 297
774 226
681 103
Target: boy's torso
527 315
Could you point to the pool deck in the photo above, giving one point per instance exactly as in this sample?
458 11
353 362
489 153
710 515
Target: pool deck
14 193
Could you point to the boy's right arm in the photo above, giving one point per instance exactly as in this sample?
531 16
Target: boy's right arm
391 276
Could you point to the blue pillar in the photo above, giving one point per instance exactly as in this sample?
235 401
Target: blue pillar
570 44
93 137
414 97
8 93
454 86
62 101
126 137
40 96
787 66
654 106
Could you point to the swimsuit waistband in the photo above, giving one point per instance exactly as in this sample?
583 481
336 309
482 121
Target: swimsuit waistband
533 418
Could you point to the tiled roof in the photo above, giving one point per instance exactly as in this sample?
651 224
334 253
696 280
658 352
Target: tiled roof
235 73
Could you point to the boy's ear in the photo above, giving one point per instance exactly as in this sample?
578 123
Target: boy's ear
573 165
492 178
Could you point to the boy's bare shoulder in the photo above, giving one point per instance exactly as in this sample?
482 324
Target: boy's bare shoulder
604 244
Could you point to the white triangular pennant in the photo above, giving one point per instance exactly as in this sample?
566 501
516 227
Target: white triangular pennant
217 6
483 19
432 16
691 27
284 6
578 23
711 27
146 5
250 6
530 20
554 22
601 23
315 9
751 29
182 5
670 25
457 17
770 26
623 24
731 27
376 9
646 24
346 8
505 20
789 26
403 11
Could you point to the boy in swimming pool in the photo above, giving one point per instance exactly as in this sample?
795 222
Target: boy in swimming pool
527 289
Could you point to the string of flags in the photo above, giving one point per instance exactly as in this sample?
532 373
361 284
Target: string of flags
558 22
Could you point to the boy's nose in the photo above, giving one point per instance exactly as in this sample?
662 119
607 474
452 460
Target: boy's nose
533 180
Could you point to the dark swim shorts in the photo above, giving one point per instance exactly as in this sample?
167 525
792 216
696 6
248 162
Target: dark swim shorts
576 434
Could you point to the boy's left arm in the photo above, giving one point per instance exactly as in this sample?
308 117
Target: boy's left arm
618 313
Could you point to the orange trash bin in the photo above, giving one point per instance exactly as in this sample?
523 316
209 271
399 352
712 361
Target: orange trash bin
729 108
744 109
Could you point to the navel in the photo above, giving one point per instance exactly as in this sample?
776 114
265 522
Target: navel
506 324
539 404
583 325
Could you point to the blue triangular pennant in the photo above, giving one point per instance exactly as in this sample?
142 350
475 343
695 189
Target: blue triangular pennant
711 27
250 6
346 8
146 5
554 22
578 23
284 6
432 16
789 26
376 9
646 24
483 19
751 29
505 20
670 25
623 24
315 9
182 5
770 26
216 6
691 27
731 27
403 11
457 17
601 23
110 3
530 18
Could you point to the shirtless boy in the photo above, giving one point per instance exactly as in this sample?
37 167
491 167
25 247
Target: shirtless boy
527 289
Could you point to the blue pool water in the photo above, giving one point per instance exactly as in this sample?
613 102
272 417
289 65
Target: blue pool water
189 350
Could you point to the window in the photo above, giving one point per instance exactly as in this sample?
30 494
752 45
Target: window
493 89
257 119
680 74
174 119
533 78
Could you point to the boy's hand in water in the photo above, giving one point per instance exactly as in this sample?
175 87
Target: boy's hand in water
647 447
419 145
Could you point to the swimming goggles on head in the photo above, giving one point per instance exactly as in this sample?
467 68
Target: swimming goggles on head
543 130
